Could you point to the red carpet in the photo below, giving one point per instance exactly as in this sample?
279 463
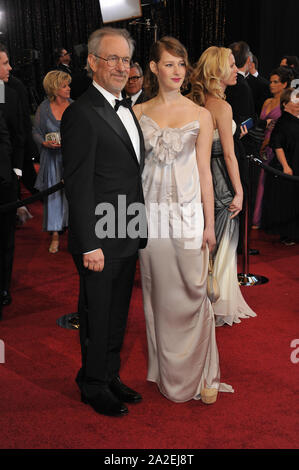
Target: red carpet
39 401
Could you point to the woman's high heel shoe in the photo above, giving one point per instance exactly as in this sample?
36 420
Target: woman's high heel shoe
53 248
209 395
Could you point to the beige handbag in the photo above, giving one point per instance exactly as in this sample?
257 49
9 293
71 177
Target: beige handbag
212 285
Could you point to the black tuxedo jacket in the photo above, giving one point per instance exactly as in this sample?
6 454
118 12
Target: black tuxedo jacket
65 68
240 98
5 153
12 114
141 98
30 148
260 91
100 164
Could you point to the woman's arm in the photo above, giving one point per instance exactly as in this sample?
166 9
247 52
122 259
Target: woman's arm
39 129
283 161
203 156
224 124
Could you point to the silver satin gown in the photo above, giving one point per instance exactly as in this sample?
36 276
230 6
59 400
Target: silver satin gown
182 350
230 306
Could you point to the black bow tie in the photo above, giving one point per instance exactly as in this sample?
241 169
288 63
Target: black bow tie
126 102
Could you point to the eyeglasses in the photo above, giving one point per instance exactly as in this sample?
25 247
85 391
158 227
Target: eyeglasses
66 53
113 60
134 78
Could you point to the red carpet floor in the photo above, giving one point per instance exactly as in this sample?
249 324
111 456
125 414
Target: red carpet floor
39 401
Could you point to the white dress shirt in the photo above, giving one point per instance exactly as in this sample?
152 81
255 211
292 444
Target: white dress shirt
135 97
243 73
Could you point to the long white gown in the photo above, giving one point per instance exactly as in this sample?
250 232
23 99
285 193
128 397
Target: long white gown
182 350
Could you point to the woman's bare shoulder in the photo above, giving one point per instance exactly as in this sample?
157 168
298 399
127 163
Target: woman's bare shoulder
142 108
196 109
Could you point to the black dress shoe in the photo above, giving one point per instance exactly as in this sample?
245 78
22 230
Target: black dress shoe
105 403
6 297
124 393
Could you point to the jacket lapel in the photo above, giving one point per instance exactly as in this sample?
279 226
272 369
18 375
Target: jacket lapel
106 112
141 140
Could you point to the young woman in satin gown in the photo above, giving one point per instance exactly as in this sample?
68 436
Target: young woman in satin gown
182 351
214 71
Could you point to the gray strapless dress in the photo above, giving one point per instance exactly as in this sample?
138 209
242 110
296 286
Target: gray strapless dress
230 306
180 325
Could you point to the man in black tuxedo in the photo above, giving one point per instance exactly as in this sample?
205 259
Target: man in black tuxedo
5 153
103 157
240 95
30 148
259 86
241 100
292 62
63 60
133 88
10 106
5 172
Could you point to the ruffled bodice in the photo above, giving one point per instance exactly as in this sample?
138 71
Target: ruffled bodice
170 173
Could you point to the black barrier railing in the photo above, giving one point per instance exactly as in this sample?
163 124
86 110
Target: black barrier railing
36 197
273 171
246 278
57 187
70 320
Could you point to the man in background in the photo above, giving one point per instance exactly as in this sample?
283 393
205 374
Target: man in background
133 88
11 108
63 60
259 86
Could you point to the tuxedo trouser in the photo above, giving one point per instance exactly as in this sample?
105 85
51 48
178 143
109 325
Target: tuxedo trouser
8 194
104 300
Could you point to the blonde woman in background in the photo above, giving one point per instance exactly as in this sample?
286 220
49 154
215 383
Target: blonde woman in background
47 121
214 71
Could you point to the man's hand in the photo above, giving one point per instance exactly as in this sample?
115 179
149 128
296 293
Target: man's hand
94 260
51 145
243 132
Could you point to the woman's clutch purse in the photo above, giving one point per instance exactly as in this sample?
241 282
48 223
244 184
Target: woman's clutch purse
53 137
212 285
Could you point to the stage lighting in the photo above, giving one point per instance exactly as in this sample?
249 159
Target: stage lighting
119 10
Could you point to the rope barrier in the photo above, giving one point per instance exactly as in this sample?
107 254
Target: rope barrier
274 171
57 187
25 202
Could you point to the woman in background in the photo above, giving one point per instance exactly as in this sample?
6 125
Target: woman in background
279 81
214 71
281 205
47 121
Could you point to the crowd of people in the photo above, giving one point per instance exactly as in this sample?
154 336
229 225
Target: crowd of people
172 145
